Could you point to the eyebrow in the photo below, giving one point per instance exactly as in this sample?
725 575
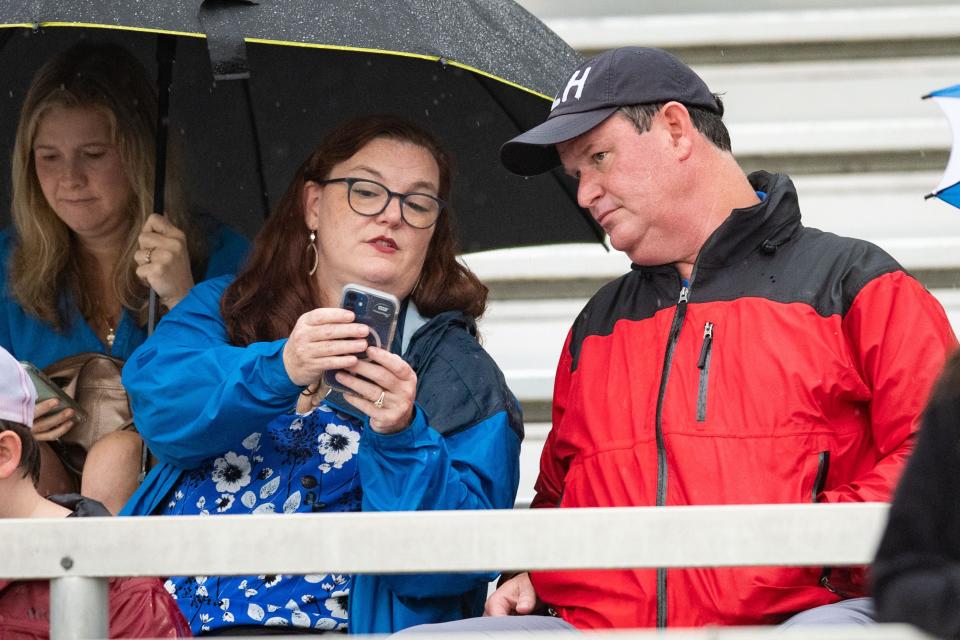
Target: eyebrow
85 144
420 184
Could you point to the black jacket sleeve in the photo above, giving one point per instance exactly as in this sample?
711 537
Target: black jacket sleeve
917 570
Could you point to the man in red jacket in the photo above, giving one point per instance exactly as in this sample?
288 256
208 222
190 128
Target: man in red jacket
745 359
139 607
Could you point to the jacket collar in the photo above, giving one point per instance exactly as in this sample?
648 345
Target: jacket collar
763 227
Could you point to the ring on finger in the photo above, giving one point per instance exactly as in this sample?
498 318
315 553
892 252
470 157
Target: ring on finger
146 258
379 401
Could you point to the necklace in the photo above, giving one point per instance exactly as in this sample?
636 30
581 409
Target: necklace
107 322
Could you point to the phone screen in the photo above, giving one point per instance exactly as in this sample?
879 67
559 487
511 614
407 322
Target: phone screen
46 389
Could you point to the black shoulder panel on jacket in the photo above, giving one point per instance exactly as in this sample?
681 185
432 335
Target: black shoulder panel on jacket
819 269
822 270
458 383
636 295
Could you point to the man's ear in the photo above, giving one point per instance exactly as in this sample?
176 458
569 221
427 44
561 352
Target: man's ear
679 126
11 450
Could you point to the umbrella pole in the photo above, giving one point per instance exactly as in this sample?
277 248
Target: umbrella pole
166 52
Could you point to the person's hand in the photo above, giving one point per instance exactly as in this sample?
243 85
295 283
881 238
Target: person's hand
515 597
325 338
164 261
50 427
387 394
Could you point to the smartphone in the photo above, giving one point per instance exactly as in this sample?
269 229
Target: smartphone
47 388
376 309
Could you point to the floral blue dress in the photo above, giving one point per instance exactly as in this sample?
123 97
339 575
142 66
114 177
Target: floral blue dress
298 463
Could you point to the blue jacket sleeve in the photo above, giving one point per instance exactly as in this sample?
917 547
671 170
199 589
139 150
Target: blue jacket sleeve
468 466
192 393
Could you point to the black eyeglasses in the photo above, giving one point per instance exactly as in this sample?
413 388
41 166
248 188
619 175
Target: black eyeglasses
370 198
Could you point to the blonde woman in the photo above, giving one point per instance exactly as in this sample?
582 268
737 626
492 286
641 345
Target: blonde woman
85 246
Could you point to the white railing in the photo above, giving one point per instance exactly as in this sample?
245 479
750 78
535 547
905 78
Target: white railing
78 555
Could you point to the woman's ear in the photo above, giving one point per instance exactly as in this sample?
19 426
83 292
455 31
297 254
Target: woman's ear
312 199
11 449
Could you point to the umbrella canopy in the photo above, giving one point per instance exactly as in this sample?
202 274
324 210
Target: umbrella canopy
475 72
949 188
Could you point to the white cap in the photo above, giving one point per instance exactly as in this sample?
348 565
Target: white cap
17 393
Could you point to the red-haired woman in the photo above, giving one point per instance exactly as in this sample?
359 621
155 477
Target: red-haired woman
427 424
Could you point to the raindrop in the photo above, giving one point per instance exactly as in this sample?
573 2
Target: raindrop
277 104
426 112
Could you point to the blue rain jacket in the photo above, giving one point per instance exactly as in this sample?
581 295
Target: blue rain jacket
29 338
195 396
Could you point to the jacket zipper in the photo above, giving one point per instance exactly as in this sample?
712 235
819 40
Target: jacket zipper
703 363
823 468
661 448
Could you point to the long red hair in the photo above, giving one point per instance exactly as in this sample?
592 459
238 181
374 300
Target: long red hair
274 288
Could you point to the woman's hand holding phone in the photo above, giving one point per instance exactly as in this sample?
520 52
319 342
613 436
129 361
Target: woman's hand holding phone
387 374
48 423
324 338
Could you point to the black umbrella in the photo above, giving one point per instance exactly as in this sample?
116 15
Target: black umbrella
475 72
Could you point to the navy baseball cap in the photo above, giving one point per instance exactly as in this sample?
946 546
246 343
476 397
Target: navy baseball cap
598 87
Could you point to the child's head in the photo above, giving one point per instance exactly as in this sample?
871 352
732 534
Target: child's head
18 449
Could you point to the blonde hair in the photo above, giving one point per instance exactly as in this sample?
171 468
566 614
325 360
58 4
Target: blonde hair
44 265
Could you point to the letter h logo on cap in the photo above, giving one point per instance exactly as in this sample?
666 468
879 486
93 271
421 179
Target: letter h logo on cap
576 80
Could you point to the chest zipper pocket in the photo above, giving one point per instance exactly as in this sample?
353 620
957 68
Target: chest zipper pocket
703 363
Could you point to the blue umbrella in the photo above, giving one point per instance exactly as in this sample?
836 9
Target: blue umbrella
949 188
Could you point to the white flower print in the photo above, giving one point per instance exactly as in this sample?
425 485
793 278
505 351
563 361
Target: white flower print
277 621
225 603
200 579
324 467
258 459
336 604
224 502
202 592
326 624
202 502
248 499
271 580
242 585
338 444
205 618
231 472
251 442
312 578
270 488
178 495
272 608
250 593
292 503
300 619
228 617
296 425
255 612
266 507
171 588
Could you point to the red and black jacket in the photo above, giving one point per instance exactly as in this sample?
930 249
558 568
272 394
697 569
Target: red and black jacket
792 368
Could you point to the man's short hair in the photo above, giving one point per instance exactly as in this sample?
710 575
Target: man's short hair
709 124
30 450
